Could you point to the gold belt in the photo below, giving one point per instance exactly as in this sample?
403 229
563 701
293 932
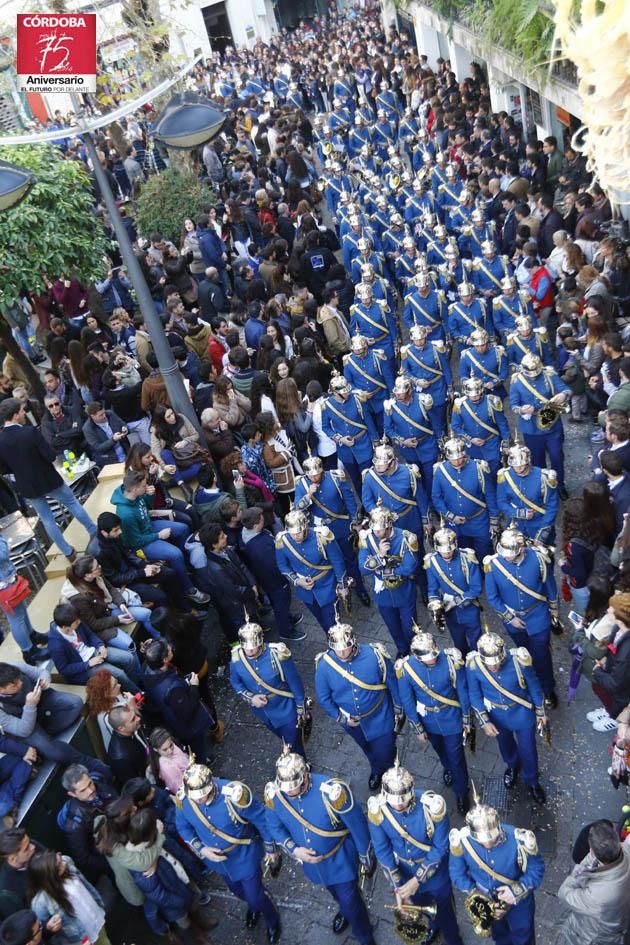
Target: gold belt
373 709
336 847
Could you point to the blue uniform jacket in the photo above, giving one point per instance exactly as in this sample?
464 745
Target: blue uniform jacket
274 667
401 491
349 419
464 319
536 391
486 421
468 491
327 819
413 842
374 259
428 312
486 276
357 138
341 688
372 374
411 421
430 364
505 311
235 814
536 492
376 323
515 858
537 343
436 253
523 590
491 367
446 679
403 544
405 266
448 199
459 579
494 696
332 504
334 188
318 557
470 243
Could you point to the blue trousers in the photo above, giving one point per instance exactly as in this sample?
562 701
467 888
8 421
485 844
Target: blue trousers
398 621
66 497
14 776
437 413
445 920
354 470
518 748
324 614
291 734
479 542
280 601
352 907
551 444
170 550
352 564
380 751
252 891
539 645
181 475
376 409
450 751
20 626
517 926
464 626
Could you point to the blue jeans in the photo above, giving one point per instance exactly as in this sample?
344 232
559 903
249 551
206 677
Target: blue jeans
21 627
580 597
21 336
143 616
65 496
122 641
168 550
14 776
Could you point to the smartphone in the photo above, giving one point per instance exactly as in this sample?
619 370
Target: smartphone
576 619
236 475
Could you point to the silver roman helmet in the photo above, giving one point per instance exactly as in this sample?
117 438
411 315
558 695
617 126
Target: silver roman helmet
251 635
478 217
483 822
402 386
397 785
451 251
511 543
367 272
440 233
383 456
424 646
478 338
455 448
508 284
472 387
445 540
409 244
198 782
381 518
381 202
397 220
312 465
519 456
465 290
488 248
422 280
364 245
359 345
491 649
290 770
341 636
339 384
531 365
296 522
451 172
420 263
523 324
418 334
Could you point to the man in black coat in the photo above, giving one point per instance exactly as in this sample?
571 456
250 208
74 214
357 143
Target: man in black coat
127 752
25 453
551 223
61 428
618 484
89 792
285 227
227 580
106 435
315 264
211 300
510 224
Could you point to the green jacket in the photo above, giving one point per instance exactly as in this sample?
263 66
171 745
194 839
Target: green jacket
620 400
135 519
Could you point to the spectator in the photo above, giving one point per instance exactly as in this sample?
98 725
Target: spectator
127 752
172 761
154 390
106 435
175 441
212 294
232 406
79 654
232 587
59 890
618 484
217 434
16 851
587 524
611 674
25 453
89 792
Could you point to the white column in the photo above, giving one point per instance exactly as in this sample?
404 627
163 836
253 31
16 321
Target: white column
427 41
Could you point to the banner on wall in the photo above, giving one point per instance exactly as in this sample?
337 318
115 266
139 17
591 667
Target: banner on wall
56 52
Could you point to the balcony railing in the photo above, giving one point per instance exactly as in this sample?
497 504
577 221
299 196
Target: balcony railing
565 71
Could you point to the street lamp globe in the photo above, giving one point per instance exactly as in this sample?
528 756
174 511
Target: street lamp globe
15 184
187 122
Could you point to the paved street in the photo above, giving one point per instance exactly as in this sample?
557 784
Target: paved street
574 775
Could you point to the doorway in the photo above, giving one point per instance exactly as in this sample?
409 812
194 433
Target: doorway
218 27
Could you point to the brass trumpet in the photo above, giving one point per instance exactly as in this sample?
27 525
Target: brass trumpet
483 911
547 415
413 923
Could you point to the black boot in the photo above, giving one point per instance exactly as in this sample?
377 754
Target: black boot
509 778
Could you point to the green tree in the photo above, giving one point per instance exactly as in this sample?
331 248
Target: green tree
167 199
53 231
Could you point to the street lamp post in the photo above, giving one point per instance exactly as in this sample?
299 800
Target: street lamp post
15 184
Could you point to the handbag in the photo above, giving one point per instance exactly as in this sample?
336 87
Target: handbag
131 597
189 454
14 594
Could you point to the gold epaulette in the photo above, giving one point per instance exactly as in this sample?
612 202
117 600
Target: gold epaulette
281 650
270 793
375 814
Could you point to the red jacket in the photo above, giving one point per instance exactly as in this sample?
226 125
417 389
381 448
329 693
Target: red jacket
547 299
216 352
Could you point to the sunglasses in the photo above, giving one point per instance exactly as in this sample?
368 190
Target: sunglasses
54 403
